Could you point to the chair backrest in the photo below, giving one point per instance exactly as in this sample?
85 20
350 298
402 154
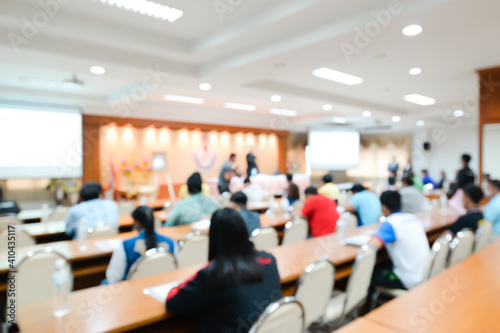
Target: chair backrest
283 316
9 219
126 208
350 221
441 247
193 250
23 239
264 238
429 261
35 276
483 235
461 246
102 231
361 274
295 232
297 205
314 289
155 261
59 214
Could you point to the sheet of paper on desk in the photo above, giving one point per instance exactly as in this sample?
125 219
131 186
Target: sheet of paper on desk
108 245
201 225
160 292
358 240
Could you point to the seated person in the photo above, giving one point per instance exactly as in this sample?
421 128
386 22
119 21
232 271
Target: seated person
194 207
412 199
127 253
320 211
492 209
251 219
239 282
252 191
472 199
329 189
442 182
365 204
427 179
7 207
293 193
406 242
92 208
184 193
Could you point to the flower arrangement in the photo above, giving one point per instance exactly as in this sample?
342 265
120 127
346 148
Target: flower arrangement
137 172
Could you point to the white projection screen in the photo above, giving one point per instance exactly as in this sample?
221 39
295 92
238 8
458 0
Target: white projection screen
333 149
40 143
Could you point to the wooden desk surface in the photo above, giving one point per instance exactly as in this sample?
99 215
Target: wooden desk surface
124 306
464 298
362 325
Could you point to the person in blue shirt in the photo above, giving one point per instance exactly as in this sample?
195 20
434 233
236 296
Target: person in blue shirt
127 253
92 208
251 219
427 179
365 204
492 209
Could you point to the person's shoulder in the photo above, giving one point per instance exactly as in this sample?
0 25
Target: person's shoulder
265 258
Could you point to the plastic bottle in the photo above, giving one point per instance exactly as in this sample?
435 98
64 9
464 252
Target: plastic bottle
83 234
61 282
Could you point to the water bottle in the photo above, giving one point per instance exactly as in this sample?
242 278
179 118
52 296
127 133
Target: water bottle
340 230
45 214
61 281
443 201
83 234
143 200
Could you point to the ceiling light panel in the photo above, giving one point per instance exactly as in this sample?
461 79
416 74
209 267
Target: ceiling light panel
238 106
420 99
184 99
283 112
336 76
149 8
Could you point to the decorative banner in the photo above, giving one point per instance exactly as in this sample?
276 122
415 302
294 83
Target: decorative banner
205 157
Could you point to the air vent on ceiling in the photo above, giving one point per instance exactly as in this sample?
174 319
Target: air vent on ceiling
377 128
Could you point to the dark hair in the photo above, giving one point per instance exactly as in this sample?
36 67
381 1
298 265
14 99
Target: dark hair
144 215
1 193
407 180
327 178
289 177
194 183
466 158
233 258
392 200
233 155
475 193
311 190
90 190
357 188
240 199
247 181
495 183
425 171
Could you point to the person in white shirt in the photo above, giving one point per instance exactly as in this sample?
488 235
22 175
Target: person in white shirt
412 200
252 191
406 242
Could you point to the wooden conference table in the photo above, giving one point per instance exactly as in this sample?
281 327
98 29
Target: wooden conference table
124 306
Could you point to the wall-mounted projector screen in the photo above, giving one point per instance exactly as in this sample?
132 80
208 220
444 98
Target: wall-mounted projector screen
333 149
40 143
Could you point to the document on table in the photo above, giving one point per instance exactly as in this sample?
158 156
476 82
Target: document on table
160 292
109 244
201 225
358 240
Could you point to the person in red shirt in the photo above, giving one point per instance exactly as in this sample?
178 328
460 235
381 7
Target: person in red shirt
320 211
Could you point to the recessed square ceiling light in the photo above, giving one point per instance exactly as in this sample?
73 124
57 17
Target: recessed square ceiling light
327 107
367 114
339 120
412 30
420 123
184 99
415 71
458 113
396 119
336 76
419 99
149 8
283 112
237 106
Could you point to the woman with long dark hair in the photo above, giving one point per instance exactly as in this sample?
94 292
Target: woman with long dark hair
132 249
235 287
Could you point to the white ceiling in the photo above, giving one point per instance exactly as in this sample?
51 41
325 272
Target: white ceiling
255 50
